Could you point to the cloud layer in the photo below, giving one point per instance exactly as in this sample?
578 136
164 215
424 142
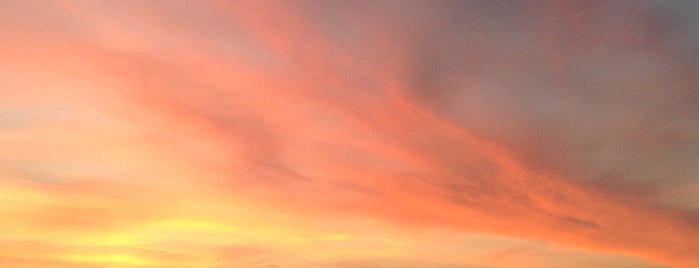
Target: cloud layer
326 134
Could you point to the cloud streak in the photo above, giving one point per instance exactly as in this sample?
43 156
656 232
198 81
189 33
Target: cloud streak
183 134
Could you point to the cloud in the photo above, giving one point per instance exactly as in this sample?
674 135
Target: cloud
143 134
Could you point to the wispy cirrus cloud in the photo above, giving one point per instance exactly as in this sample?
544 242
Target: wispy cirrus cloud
148 134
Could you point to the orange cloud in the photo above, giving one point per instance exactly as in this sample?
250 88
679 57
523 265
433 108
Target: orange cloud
251 134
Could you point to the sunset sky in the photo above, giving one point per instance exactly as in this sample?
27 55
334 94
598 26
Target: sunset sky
349 133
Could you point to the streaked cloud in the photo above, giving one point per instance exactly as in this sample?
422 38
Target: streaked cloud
332 134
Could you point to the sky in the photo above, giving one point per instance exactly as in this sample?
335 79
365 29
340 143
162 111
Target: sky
391 133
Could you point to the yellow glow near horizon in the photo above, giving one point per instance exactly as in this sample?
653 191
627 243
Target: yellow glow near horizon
110 259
